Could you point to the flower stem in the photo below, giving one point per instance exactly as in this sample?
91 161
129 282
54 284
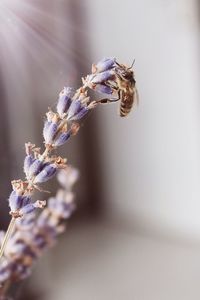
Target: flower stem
7 236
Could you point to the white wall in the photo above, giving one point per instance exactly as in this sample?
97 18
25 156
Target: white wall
152 158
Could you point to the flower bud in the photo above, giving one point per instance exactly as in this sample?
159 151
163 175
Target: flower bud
62 138
35 168
103 77
49 131
102 88
103 65
29 159
64 100
47 172
74 109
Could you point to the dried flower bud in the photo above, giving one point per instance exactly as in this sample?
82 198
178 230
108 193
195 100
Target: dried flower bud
64 100
83 111
103 65
49 131
103 88
29 159
74 109
47 173
16 201
35 168
102 77
62 138
29 208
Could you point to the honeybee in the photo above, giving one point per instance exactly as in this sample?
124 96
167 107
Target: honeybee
125 88
127 91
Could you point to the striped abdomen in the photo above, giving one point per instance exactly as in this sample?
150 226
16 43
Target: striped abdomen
127 100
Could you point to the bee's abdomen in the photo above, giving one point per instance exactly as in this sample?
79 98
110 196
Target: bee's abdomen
125 107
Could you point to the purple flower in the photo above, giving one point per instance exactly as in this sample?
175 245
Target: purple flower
47 172
64 100
26 223
29 159
103 88
83 111
62 138
16 201
103 77
49 131
35 168
29 208
103 65
46 129
74 109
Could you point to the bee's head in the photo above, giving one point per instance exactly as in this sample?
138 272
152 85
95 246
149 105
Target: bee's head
128 74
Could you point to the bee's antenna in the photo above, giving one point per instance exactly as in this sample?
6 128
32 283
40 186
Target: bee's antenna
132 65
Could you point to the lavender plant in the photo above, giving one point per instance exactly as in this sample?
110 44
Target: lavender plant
21 246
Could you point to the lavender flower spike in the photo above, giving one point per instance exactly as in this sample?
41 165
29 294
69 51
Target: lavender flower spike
21 247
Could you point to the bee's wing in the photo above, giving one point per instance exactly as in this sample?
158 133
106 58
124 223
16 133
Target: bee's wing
136 98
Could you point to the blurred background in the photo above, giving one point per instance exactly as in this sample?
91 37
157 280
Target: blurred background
136 232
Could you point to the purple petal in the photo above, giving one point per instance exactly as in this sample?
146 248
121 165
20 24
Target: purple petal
29 159
102 88
64 100
74 108
61 208
45 129
80 114
63 137
26 222
15 201
49 132
26 200
104 64
35 168
29 208
46 173
102 77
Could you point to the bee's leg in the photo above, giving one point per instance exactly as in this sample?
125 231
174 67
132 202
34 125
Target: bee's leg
105 101
118 64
